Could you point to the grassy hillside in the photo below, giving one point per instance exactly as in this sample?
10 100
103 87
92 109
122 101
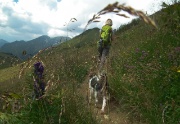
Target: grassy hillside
144 64
143 73
60 69
8 60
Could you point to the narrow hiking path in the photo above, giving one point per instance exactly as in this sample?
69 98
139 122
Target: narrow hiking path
113 113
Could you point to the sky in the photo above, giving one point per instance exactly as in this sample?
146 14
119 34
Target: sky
29 19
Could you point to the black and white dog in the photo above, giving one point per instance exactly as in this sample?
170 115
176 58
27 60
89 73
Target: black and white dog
98 84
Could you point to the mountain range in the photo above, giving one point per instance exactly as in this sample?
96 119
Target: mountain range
25 49
2 42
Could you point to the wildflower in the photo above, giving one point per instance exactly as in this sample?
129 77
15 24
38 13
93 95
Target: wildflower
177 49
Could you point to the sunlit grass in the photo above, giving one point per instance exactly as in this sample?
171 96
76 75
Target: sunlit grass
8 73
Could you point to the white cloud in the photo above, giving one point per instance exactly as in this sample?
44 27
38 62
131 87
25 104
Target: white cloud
32 18
56 32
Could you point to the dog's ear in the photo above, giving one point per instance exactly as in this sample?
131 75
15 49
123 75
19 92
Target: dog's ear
91 74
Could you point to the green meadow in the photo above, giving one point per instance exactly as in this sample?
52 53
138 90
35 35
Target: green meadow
143 70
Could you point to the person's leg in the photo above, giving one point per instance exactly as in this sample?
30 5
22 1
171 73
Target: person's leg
105 53
100 50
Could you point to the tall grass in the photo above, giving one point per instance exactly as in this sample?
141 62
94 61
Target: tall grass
145 78
142 72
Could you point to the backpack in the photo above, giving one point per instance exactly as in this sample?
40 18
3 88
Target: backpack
106 35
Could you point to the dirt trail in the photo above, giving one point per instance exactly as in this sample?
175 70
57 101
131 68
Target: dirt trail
113 114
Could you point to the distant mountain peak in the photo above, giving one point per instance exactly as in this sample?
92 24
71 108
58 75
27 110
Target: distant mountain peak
31 46
2 42
44 36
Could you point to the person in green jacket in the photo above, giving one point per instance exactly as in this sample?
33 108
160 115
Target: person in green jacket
104 43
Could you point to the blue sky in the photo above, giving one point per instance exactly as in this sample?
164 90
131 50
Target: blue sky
15 1
28 19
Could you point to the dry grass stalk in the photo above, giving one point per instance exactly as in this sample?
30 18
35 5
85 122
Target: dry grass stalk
116 8
163 113
62 109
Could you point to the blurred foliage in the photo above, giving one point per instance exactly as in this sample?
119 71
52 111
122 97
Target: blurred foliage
171 17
